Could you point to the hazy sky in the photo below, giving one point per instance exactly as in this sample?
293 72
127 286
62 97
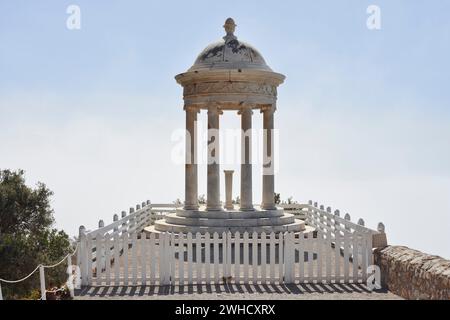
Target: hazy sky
363 117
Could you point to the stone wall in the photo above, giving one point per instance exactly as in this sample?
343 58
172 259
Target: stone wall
412 274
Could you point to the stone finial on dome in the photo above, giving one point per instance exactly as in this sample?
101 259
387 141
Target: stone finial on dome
229 27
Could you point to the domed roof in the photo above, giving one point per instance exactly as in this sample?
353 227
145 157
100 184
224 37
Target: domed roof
229 53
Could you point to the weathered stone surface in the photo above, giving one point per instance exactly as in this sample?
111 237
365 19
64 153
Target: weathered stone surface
412 274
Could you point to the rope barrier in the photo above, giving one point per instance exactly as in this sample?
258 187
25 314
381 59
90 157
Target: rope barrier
62 260
49 266
20 280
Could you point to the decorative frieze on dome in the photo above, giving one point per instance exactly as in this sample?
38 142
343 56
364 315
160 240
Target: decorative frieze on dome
230 88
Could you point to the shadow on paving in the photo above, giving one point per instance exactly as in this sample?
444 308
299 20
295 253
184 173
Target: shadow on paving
238 289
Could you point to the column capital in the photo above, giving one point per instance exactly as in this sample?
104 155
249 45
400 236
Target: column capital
191 108
269 108
214 107
246 107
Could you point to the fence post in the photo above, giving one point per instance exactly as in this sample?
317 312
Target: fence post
165 256
337 224
131 221
379 238
162 265
227 254
367 257
143 216
1 295
289 257
124 224
100 252
116 218
307 213
42 279
369 248
137 217
69 262
348 218
150 216
80 231
314 214
328 219
286 256
70 274
84 256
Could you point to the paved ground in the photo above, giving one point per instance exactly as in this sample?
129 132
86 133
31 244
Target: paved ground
238 292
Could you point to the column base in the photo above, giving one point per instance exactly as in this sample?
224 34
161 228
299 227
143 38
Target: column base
214 208
191 207
230 207
269 206
247 208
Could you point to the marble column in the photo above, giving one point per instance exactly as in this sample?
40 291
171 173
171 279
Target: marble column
213 186
191 183
268 192
229 189
246 158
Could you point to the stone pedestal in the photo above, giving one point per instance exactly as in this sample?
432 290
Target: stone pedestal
229 189
203 221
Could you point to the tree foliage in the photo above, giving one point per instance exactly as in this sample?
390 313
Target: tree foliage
277 198
27 238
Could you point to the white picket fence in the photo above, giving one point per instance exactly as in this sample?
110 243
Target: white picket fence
138 218
325 221
141 259
121 254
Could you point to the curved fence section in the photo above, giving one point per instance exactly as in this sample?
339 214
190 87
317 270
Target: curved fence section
120 253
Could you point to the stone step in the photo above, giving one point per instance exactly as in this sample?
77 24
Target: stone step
151 229
173 218
230 214
164 226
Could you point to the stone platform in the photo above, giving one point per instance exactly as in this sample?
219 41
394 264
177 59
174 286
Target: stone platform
259 220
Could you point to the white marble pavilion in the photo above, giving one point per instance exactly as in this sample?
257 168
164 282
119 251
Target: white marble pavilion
229 75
